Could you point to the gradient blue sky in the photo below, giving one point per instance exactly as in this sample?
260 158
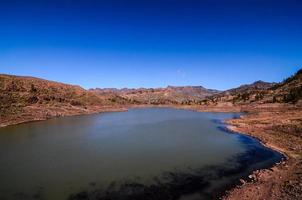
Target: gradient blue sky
218 44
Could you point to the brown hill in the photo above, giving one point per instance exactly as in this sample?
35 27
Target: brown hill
24 98
156 96
288 91
258 85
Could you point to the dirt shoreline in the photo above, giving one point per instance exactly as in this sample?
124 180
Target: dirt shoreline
274 128
282 181
278 127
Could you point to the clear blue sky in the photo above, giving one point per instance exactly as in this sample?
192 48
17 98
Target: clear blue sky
218 44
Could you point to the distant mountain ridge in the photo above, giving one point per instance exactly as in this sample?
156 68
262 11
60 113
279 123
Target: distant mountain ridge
168 95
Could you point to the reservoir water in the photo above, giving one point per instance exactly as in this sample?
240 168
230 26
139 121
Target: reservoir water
150 153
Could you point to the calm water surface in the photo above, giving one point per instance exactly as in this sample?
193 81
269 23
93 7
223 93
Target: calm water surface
176 154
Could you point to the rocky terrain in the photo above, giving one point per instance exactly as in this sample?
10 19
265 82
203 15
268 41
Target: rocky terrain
279 127
288 91
25 99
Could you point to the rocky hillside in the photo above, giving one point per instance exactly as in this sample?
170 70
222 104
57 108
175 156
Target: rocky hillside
288 91
24 98
258 85
186 95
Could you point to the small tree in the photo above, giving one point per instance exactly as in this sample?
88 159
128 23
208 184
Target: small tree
32 88
274 99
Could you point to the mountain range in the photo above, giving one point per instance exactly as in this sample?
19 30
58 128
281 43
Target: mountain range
28 98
